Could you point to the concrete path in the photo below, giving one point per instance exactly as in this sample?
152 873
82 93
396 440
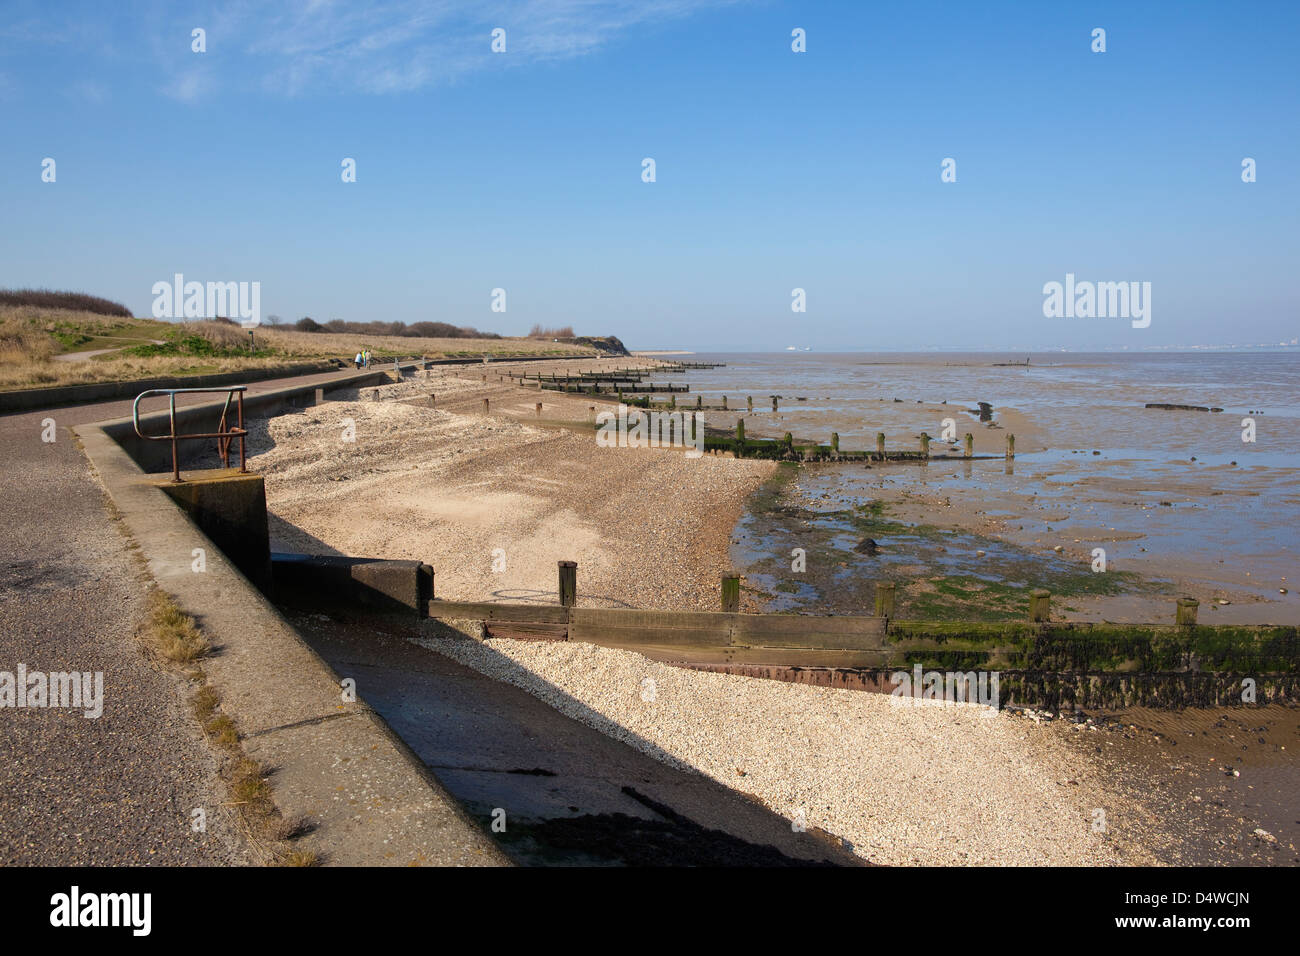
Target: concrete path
119 789
91 353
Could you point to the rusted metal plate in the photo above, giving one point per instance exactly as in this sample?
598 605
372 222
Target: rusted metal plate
850 678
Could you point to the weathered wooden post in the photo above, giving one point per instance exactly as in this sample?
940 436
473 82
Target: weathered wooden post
539 409
591 413
774 405
1011 446
1186 612
699 401
568 583
485 406
880 445
724 403
835 442
789 443
925 445
740 437
970 444
672 401
884 599
1040 600
433 399
749 403
730 593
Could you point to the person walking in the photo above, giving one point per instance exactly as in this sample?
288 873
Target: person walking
358 359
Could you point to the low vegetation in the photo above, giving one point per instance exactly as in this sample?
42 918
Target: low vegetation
175 636
413 330
171 632
541 332
33 336
68 301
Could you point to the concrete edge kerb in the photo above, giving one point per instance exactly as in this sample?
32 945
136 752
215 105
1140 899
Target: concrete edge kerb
368 800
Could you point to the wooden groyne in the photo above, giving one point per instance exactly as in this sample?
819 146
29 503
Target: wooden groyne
1182 408
1038 662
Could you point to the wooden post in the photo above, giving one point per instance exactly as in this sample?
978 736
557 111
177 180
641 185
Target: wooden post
568 583
1186 612
433 399
925 445
591 413
789 443
970 444
1011 446
539 409
485 406
724 403
835 442
730 593
880 445
699 401
1040 600
320 396
774 405
884 599
749 403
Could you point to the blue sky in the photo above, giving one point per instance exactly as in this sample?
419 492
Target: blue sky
775 169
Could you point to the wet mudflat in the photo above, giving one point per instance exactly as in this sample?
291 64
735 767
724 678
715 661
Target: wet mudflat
1220 785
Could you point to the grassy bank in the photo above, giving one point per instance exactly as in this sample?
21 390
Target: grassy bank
32 337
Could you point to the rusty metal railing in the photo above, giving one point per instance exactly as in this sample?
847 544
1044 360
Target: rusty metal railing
224 434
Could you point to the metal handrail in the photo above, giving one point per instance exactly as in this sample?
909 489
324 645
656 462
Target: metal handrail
224 435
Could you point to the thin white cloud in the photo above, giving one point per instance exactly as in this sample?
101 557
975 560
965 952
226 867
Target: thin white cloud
393 46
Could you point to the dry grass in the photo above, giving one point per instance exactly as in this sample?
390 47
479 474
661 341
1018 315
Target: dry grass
174 636
245 779
299 858
28 346
172 633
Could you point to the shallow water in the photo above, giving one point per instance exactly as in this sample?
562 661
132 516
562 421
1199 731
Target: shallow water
1166 493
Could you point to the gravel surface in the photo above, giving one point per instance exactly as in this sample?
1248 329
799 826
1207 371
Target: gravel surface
468 492
935 785
117 790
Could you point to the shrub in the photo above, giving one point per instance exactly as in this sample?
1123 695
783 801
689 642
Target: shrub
73 301
539 332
